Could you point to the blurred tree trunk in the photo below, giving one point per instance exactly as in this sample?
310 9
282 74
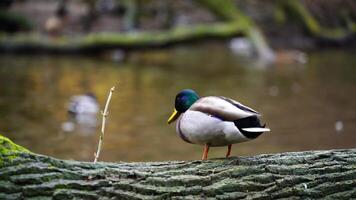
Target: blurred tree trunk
165 14
131 15
299 175
91 15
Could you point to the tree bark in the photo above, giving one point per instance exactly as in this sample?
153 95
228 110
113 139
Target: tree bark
295 175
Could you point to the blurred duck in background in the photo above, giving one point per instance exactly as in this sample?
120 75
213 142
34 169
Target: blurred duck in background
291 56
243 47
55 24
82 110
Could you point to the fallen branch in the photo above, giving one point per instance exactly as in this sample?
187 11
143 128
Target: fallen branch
297 11
294 175
105 113
98 42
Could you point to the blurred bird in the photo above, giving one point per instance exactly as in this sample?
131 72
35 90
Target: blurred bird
83 104
291 56
214 121
83 109
241 46
55 24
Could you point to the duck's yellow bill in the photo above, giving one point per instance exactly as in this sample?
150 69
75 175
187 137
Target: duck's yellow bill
173 117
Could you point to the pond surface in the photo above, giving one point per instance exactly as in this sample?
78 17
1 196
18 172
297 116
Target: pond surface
307 107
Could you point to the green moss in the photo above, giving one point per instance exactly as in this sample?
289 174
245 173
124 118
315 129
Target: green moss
224 9
309 21
334 33
163 37
6 145
9 150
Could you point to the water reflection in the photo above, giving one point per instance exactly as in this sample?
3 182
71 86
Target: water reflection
301 104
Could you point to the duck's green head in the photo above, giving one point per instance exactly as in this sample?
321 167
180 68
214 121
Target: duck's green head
184 100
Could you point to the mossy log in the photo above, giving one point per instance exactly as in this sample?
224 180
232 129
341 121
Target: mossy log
94 43
301 175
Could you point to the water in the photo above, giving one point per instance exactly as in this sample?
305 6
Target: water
304 105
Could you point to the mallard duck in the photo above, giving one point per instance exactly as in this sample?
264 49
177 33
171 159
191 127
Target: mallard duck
83 109
214 121
83 104
82 113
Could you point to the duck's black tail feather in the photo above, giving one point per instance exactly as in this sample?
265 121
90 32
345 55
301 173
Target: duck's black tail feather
249 122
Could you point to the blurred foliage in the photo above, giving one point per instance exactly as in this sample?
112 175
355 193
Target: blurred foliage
296 11
11 22
137 24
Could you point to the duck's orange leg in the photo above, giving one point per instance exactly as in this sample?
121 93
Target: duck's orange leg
205 152
228 150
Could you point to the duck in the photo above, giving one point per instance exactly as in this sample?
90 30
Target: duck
83 104
83 109
214 121
55 24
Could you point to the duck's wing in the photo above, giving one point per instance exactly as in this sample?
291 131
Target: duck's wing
224 108
240 105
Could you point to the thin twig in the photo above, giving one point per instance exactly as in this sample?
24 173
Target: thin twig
105 113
